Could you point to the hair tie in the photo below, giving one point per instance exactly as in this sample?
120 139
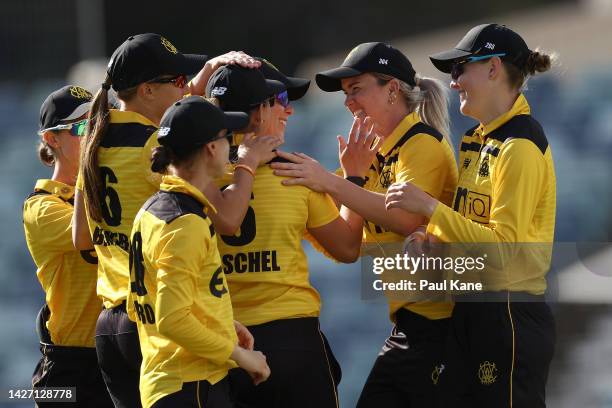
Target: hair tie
106 86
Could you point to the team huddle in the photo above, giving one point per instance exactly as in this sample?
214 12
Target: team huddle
169 240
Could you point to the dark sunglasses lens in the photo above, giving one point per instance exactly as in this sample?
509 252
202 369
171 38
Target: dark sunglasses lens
456 71
283 98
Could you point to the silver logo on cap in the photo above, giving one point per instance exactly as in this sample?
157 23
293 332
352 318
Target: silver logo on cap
218 91
163 131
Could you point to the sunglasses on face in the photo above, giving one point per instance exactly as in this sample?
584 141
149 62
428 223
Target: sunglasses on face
76 128
282 98
458 68
180 81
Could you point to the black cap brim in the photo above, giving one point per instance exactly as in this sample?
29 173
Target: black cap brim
235 120
297 87
444 60
191 64
330 80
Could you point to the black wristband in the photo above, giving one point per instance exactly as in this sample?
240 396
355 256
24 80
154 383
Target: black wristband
360 181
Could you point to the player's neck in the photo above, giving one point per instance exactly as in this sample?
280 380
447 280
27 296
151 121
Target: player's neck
144 109
64 173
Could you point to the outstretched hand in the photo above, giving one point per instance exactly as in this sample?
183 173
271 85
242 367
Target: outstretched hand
356 154
304 171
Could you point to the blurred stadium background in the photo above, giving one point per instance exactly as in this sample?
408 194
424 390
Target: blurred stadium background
46 44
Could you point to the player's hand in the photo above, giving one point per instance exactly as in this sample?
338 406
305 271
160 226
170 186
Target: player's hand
255 151
304 171
233 58
410 198
253 362
356 154
245 338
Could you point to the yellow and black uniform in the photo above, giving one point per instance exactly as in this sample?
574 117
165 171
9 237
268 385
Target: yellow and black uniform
267 272
402 374
124 160
505 200
66 323
179 297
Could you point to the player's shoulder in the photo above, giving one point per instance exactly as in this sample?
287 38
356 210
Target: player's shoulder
521 128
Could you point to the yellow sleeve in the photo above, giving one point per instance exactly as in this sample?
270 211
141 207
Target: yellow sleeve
321 210
518 180
179 263
152 178
48 221
422 162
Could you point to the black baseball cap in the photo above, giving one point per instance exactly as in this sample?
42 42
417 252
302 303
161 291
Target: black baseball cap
64 106
368 57
193 121
296 87
483 40
241 89
144 57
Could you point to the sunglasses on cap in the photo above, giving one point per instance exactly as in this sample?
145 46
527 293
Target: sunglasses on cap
180 81
282 98
459 67
76 128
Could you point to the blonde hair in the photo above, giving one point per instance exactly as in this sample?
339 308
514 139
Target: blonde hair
429 98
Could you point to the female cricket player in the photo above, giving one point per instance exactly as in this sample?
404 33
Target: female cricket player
400 133
501 341
66 323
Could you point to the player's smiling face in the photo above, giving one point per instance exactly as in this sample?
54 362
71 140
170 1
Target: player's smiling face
365 96
473 86
279 115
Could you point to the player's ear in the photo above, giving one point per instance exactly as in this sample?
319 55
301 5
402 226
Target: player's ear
49 137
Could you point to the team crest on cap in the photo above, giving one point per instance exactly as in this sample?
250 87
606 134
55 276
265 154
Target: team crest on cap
80 93
163 131
171 48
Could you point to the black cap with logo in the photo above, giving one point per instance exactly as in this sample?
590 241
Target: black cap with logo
63 106
368 57
144 57
483 40
193 121
296 87
241 89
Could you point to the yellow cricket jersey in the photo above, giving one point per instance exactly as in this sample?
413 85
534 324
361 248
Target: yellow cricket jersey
417 153
265 264
505 195
67 276
125 164
179 297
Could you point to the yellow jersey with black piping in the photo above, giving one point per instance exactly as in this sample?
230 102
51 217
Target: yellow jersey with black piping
178 293
124 159
417 153
506 200
265 264
67 276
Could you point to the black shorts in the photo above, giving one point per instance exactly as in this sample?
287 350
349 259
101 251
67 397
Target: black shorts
119 356
304 371
198 394
66 366
406 372
498 352
72 367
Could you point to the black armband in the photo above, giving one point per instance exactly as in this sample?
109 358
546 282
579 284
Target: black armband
360 181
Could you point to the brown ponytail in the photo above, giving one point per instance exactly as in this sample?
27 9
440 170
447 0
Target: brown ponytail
96 129
536 62
46 154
